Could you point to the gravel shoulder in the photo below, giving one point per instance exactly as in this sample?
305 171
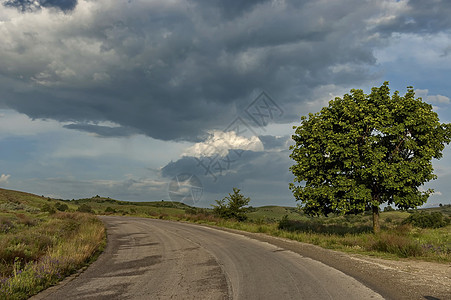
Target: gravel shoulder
393 279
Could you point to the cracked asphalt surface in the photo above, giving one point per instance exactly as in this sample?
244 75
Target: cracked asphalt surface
157 259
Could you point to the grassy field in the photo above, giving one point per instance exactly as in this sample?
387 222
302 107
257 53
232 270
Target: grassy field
349 233
38 248
42 239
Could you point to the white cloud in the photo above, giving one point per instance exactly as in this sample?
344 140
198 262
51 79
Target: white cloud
4 178
220 143
439 99
421 93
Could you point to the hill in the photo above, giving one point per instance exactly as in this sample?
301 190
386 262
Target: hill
20 201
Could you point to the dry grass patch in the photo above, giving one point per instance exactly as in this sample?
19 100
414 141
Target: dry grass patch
33 258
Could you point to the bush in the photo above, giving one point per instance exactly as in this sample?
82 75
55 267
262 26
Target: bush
61 206
109 209
399 244
233 208
191 210
48 208
426 220
85 208
285 224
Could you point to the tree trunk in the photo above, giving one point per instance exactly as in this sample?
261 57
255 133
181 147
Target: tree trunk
376 226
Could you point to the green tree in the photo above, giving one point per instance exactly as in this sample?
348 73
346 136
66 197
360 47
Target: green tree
365 150
232 207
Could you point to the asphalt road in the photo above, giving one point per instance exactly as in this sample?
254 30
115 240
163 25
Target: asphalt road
157 259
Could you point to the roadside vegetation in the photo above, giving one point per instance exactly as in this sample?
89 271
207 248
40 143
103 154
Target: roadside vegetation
420 234
398 238
41 242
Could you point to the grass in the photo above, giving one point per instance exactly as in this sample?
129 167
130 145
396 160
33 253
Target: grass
39 244
349 233
37 249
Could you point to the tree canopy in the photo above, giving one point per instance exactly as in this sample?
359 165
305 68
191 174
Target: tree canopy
365 150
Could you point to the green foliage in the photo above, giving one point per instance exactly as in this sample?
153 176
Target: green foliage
109 209
61 206
318 226
365 150
396 243
85 208
284 223
426 220
232 207
48 208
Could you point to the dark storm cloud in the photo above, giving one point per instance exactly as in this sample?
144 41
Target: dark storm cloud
104 131
174 69
33 5
229 9
421 17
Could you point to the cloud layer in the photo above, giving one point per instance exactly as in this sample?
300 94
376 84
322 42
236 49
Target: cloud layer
174 86
174 70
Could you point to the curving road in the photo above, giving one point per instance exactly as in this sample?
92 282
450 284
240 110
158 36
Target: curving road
156 259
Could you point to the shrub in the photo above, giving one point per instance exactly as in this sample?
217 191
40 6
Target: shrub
61 206
234 208
85 208
392 242
426 220
109 209
284 223
48 208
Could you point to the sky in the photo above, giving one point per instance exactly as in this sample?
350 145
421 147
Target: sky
184 100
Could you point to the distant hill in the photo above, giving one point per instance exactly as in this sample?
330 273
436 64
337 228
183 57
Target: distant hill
11 200
15 201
